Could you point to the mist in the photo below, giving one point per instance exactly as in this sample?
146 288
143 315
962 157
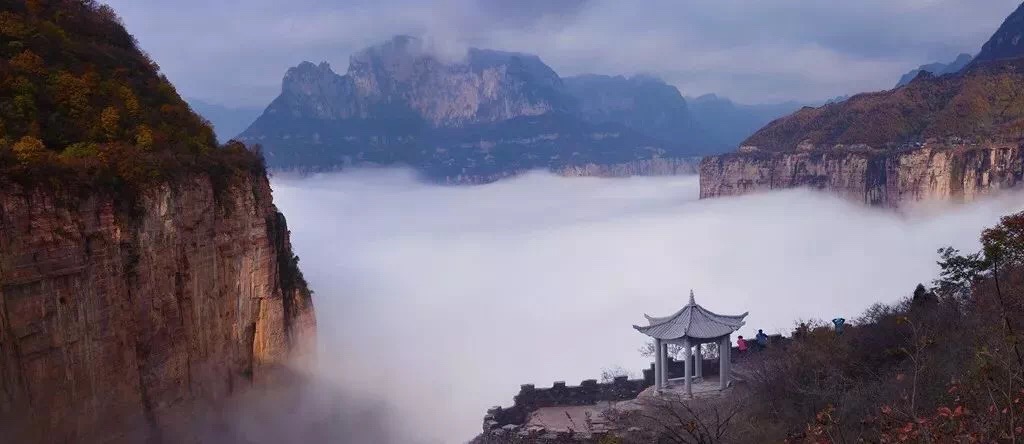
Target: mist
438 302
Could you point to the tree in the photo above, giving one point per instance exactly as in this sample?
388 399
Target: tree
110 123
29 149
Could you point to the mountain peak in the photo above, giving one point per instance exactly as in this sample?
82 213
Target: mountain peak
1008 40
936 69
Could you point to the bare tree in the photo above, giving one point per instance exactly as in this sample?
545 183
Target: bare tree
674 419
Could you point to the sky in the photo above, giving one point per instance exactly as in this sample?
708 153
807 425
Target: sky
235 52
435 303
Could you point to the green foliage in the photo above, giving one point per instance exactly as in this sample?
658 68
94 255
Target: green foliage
1002 246
82 105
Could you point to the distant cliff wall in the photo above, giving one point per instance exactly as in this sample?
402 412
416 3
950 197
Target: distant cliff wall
645 167
119 324
889 179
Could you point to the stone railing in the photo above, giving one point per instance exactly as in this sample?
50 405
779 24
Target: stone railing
677 369
589 392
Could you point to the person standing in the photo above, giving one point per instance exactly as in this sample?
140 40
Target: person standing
762 339
839 323
741 345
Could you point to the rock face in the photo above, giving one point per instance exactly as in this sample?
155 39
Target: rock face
950 173
119 326
952 137
1007 42
401 79
490 115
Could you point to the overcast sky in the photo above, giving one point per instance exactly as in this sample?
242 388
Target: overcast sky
235 52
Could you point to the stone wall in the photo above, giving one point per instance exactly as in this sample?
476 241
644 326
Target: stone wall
589 392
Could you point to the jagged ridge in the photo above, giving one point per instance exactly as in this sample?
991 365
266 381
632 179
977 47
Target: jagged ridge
492 114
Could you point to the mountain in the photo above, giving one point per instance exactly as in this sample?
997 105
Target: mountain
946 137
487 116
227 122
729 123
1006 42
937 69
643 103
145 274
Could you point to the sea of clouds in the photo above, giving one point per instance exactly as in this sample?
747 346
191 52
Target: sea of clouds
435 303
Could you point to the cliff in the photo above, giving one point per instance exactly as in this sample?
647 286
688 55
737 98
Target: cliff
949 137
956 173
145 274
119 326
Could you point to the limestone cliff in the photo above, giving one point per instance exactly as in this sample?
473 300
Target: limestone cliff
949 137
951 173
121 324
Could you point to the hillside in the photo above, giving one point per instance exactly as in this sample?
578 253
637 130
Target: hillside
951 137
145 275
1006 43
80 103
941 364
985 103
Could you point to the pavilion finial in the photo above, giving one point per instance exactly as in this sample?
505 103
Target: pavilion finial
692 302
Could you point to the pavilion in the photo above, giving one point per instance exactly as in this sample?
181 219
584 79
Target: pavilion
691 326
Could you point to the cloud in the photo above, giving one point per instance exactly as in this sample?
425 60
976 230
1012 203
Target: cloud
235 52
440 301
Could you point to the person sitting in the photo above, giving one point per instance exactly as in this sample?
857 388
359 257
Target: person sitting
741 345
762 339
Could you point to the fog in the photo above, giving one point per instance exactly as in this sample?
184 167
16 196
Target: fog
234 52
438 302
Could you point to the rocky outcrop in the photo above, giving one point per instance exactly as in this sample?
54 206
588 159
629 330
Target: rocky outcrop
122 323
951 173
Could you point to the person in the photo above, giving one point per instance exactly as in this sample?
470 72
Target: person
839 322
762 339
741 345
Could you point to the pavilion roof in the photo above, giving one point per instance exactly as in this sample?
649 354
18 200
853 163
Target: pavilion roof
692 321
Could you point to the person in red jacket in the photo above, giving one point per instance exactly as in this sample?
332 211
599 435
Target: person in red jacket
741 344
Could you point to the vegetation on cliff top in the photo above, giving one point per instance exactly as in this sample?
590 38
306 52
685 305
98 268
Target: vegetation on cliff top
984 102
79 100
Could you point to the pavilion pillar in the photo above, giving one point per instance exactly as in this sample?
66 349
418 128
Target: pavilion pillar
724 347
699 361
688 367
668 365
657 364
